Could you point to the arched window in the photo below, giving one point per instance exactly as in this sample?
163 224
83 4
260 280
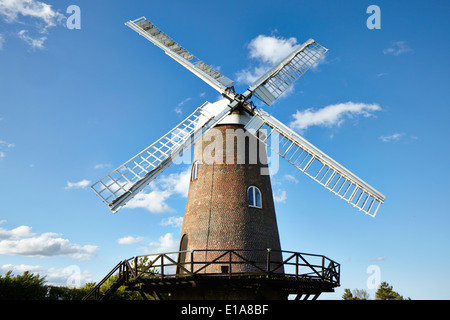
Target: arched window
194 174
254 197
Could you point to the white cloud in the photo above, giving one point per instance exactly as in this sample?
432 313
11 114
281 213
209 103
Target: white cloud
35 43
39 15
165 243
103 166
399 136
22 231
78 185
322 60
4 147
331 115
271 49
22 241
178 111
177 182
160 191
6 144
249 76
2 41
392 137
129 240
184 101
380 259
290 178
12 9
173 221
266 51
154 201
53 276
398 47
21 268
280 196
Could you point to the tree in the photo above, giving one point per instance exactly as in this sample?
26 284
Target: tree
68 293
386 292
32 287
122 292
356 294
22 287
361 294
347 295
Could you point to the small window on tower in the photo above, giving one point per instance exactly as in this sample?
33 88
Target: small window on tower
254 197
194 171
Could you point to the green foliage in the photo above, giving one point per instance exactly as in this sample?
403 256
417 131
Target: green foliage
356 294
22 287
68 293
121 293
347 295
32 287
386 292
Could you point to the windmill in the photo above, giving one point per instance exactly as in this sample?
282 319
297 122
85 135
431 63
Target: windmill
224 200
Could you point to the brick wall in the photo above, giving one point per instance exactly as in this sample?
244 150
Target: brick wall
217 215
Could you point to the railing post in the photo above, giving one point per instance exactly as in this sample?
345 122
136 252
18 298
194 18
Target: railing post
229 271
136 266
162 266
338 275
268 260
192 261
323 267
296 266
123 273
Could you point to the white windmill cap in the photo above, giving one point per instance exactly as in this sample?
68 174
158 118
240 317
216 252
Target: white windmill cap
236 117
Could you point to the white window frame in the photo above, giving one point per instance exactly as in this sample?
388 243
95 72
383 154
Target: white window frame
254 190
194 173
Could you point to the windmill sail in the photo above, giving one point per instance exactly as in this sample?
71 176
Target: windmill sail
122 184
152 33
315 164
277 80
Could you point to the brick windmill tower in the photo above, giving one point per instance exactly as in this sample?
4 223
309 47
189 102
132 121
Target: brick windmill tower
230 204
230 246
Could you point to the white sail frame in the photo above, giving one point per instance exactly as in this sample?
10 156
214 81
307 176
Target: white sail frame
208 74
315 163
272 84
123 183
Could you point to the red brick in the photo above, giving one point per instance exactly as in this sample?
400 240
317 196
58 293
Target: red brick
217 215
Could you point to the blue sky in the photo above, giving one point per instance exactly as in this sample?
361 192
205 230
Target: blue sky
76 103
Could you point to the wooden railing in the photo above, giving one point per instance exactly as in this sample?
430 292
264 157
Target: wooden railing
228 263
